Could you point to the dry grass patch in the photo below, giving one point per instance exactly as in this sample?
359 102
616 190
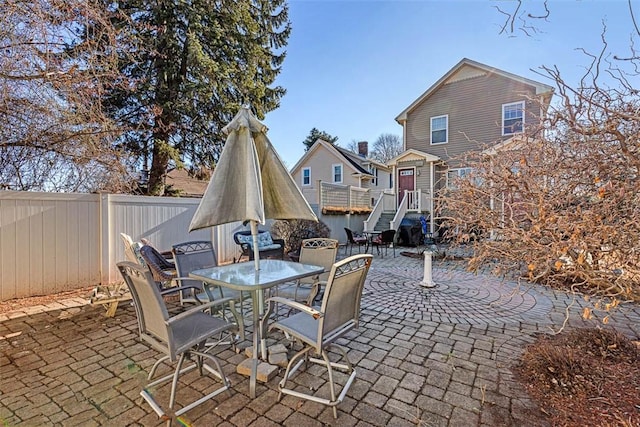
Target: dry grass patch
584 377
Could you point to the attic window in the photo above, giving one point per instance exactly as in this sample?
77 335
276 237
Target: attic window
512 118
306 176
439 129
337 174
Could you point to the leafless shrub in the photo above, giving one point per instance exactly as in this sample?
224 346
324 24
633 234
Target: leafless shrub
559 205
294 231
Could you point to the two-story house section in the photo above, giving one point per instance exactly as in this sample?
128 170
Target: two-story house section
326 163
472 107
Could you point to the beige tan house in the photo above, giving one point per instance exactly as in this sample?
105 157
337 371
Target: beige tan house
470 108
351 175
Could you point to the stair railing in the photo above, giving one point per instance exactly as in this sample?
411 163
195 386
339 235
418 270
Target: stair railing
402 210
374 216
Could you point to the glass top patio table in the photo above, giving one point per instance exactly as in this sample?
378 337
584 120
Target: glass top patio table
244 277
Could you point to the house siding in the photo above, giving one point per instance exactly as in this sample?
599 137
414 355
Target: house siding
321 159
474 106
422 175
382 182
321 164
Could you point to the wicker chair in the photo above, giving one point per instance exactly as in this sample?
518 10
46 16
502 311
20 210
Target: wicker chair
163 270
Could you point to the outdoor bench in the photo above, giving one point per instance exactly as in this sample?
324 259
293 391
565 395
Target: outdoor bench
268 247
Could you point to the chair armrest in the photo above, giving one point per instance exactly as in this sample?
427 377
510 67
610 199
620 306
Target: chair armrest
279 241
296 305
174 289
180 287
198 308
187 280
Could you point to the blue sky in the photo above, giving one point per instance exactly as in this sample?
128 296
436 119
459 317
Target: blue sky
353 65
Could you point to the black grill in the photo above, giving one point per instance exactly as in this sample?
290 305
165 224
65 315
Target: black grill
410 232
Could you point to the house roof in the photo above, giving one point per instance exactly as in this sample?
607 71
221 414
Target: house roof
353 160
542 89
186 185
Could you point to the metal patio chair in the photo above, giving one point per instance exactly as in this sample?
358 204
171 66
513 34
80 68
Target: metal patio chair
319 328
180 338
385 240
354 240
189 256
195 255
318 251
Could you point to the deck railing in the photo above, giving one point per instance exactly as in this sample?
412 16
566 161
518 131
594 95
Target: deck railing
344 199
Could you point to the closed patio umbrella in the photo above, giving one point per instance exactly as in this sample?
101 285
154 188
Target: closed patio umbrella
250 182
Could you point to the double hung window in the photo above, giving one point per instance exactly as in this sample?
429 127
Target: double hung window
306 176
512 118
439 129
337 174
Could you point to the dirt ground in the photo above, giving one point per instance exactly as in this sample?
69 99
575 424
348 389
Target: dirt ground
18 303
584 377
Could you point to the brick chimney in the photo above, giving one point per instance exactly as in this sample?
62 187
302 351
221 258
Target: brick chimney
363 149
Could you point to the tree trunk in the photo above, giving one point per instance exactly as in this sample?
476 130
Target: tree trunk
159 164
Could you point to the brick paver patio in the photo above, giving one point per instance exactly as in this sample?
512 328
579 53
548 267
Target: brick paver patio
428 357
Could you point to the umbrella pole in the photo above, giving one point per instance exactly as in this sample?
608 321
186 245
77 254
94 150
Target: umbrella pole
260 295
256 250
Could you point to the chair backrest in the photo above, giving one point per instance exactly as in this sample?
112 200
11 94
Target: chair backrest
387 236
131 249
161 269
150 308
342 295
193 255
349 235
245 236
319 251
190 256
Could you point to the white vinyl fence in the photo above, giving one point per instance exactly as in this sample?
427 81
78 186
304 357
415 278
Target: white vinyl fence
52 242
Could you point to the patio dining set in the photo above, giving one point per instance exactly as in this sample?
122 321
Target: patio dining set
312 303
369 240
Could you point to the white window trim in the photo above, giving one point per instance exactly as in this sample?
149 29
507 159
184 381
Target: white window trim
333 173
374 173
446 129
522 105
303 170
